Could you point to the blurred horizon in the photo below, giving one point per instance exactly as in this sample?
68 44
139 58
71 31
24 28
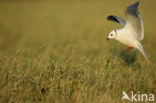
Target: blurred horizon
72 13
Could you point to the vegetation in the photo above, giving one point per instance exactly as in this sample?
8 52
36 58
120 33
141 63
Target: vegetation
55 52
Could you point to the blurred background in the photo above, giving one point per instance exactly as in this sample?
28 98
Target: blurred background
33 24
56 51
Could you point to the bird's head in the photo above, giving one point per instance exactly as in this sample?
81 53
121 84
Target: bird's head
112 35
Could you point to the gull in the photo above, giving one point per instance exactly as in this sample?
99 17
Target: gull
131 31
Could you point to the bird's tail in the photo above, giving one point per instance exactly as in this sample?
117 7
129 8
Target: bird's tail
141 49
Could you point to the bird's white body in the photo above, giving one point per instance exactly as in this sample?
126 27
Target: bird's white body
125 36
132 31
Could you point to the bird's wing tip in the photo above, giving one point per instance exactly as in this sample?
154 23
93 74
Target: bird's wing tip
136 3
113 18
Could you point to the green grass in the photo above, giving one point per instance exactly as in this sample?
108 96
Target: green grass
56 52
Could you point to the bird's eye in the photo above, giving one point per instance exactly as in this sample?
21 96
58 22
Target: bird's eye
111 34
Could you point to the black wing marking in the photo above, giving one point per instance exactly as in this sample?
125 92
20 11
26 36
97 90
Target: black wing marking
116 19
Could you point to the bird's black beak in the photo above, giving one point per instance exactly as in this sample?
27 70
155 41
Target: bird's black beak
107 39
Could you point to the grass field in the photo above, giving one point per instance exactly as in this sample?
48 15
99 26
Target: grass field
56 52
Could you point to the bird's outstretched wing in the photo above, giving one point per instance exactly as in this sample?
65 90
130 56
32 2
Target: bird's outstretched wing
117 19
134 21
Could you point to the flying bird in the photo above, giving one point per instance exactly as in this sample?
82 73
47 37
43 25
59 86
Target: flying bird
131 31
